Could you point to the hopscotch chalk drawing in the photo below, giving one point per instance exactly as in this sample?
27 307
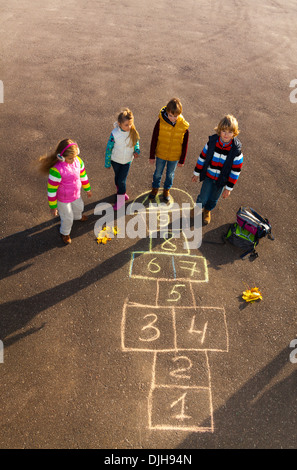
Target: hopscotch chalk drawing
178 332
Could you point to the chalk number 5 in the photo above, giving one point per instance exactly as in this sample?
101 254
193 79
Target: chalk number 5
174 292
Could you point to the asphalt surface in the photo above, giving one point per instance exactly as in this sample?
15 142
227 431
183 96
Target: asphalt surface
81 325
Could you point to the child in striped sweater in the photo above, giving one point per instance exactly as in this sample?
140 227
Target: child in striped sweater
67 175
219 165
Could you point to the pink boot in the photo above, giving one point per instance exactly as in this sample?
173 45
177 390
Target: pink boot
126 195
120 202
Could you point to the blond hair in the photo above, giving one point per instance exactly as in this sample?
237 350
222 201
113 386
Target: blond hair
49 160
228 122
127 115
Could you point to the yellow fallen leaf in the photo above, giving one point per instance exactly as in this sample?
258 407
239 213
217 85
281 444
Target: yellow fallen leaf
105 239
251 295
104 234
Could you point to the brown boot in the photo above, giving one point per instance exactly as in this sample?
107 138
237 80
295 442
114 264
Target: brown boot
206 217
66 239
166 195
153 193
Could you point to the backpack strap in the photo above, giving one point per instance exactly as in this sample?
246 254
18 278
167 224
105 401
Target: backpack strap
262 219
252 252
256 214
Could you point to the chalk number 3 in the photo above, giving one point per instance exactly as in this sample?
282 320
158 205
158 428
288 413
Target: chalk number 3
155 332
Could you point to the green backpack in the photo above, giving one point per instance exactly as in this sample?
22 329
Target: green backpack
247 231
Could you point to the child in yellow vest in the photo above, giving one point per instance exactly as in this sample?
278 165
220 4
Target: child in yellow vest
169 145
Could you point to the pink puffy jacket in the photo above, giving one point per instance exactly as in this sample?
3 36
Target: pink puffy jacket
70 186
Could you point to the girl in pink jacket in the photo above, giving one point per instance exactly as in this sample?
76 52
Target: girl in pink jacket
67 175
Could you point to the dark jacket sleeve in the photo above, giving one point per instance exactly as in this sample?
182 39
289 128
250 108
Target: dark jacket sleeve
184 148
154 140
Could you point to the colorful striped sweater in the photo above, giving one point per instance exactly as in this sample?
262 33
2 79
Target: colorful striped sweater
54 181
217 162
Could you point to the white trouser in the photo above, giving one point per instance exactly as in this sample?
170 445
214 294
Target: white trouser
68 212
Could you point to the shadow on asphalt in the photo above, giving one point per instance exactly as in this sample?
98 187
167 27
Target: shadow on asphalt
254 412
24 246
249 416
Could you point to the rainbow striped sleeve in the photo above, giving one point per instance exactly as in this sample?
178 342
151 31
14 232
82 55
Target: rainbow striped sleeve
235 172
54 180
83 176
201 161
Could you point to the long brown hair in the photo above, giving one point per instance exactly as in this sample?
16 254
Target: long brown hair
49 160
127 115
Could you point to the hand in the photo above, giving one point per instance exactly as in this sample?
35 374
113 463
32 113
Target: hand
89 194
54 212
152 162
136 155
180 164
194 179
226 193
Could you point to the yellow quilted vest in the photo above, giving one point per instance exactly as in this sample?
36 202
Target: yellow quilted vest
170 140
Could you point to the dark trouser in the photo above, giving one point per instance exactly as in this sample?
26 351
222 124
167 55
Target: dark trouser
120 175
210 194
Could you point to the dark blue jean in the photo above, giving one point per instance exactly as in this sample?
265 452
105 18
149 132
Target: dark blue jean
210 194
120 175
170 170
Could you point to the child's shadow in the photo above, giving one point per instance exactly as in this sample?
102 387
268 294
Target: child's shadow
23 246
218 251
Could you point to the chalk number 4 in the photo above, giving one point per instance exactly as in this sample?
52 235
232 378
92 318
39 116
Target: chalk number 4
201 332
